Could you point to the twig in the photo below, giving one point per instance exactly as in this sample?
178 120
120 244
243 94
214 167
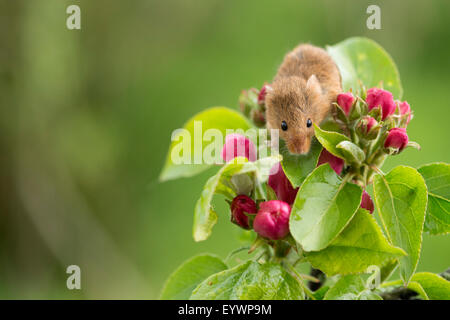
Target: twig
300 281
404 293
400 293
232 253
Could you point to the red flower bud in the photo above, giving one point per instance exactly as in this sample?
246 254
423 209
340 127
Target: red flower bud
368 127
239 206
345 101
381 98
337 164
281 185
370 123
272 220
405 109
366 202
237 145
262 95
397 139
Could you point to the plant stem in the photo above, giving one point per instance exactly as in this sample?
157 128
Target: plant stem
300 281
236 251
259 192
377 170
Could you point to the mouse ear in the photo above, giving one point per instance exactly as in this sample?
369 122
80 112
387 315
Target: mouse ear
313 84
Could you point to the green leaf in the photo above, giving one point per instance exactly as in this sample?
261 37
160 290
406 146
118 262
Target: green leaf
189 275
330 125
298 167
350 287
428 285
351 152
330 140
321 292
250 281
415 286
363 60
388 269
271 195
401 199
436 287
437 178
359 246
219 118
204 215
325 204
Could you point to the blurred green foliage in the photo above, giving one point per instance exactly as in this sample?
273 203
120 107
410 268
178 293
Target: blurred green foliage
86 119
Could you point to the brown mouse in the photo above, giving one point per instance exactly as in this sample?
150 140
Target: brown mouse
307 83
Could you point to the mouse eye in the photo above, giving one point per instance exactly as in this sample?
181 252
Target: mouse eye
309 123
284 125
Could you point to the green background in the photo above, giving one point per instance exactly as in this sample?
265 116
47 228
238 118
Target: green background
86 119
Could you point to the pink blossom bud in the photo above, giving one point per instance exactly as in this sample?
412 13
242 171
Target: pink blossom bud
397 139
337 164
370 123
345 101
381 98
366 202
272 220
405 109
281 185
368 127
262 95
237 145
239 206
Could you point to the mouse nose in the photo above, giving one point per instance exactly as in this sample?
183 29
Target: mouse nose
305 146
299 145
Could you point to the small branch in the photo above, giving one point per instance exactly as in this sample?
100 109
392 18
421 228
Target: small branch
446 274
232 253
377 170
309 278
298 277
403 293
348 177
256 244
400 293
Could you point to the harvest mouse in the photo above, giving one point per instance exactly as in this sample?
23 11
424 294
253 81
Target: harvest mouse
302 92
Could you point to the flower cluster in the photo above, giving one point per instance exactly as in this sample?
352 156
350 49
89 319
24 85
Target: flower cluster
376 116
316 207
374 122
271 220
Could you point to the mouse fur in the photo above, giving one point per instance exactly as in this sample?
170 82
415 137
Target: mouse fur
305 86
